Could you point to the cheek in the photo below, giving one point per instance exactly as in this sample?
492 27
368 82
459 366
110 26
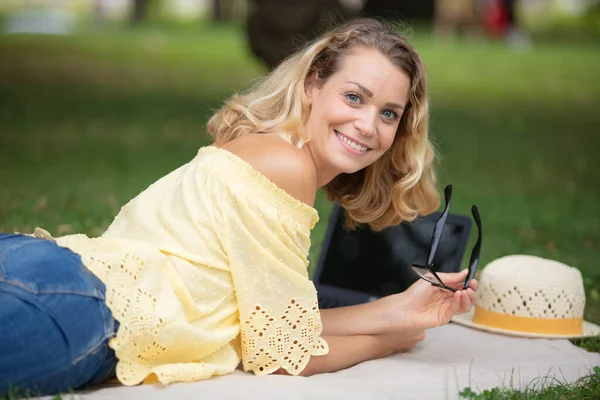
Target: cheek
333 111
387 137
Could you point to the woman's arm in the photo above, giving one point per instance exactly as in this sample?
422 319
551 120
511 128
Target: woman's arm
347 351
422 306
377 317
344 352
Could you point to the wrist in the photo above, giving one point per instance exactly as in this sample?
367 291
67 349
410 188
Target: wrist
395 314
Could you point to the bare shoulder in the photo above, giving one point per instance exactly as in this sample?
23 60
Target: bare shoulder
290 168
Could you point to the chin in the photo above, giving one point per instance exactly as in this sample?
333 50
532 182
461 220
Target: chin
350 164
351 169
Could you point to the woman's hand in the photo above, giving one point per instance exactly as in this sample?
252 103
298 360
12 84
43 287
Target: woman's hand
430 306
420 307
424 306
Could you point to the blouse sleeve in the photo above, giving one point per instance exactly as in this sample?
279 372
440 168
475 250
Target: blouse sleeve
266 240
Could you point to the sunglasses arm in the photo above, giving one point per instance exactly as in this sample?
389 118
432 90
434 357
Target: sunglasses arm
476 249
438 229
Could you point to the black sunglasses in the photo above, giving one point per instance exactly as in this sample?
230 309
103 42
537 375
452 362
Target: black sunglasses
426 272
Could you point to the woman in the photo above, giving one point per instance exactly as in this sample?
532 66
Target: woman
207 267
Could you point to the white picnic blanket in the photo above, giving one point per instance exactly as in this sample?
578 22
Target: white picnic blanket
451 358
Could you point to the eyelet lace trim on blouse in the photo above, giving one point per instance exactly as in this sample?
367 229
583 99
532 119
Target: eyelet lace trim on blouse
281 341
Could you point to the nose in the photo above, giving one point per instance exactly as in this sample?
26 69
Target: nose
365 123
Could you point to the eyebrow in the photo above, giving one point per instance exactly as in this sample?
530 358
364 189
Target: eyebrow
370 94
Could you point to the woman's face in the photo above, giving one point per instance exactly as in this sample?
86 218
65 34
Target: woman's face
355 113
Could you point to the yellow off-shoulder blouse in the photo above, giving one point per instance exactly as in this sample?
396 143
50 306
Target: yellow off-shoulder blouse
207 267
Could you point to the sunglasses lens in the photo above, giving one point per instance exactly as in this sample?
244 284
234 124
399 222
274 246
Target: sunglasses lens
425 273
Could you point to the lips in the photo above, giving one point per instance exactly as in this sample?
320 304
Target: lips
351 143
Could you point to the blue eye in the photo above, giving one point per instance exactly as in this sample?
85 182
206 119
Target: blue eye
389 114
353 98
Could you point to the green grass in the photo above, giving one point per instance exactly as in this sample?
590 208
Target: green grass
16 394
89 121
587 388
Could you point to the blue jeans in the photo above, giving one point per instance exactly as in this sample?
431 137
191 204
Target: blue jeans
54 323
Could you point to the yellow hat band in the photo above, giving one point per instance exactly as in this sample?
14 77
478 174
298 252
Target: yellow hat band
553 326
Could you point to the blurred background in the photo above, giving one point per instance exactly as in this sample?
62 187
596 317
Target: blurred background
100 98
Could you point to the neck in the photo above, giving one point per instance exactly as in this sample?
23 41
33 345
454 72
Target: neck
324 174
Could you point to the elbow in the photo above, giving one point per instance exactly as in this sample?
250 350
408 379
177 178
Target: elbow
306 372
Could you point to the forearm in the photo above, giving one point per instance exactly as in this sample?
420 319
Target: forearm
362 319
345 352
377 317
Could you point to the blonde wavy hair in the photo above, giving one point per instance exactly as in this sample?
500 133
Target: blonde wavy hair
400 185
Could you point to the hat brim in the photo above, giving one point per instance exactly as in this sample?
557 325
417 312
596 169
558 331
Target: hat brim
466 319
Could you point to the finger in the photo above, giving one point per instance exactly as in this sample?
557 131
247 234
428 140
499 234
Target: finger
451 278
460 285
457 295
465 301
474 284
457 303
472 296
456 300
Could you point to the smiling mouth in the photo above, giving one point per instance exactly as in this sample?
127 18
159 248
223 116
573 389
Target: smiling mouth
352 144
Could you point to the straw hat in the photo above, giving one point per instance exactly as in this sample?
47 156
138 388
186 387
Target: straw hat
530 296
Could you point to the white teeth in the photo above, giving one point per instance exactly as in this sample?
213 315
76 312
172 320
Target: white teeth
352 144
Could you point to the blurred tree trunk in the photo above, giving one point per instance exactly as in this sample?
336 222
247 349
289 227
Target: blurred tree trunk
223 10
275 28
139 11
218 11
408 10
